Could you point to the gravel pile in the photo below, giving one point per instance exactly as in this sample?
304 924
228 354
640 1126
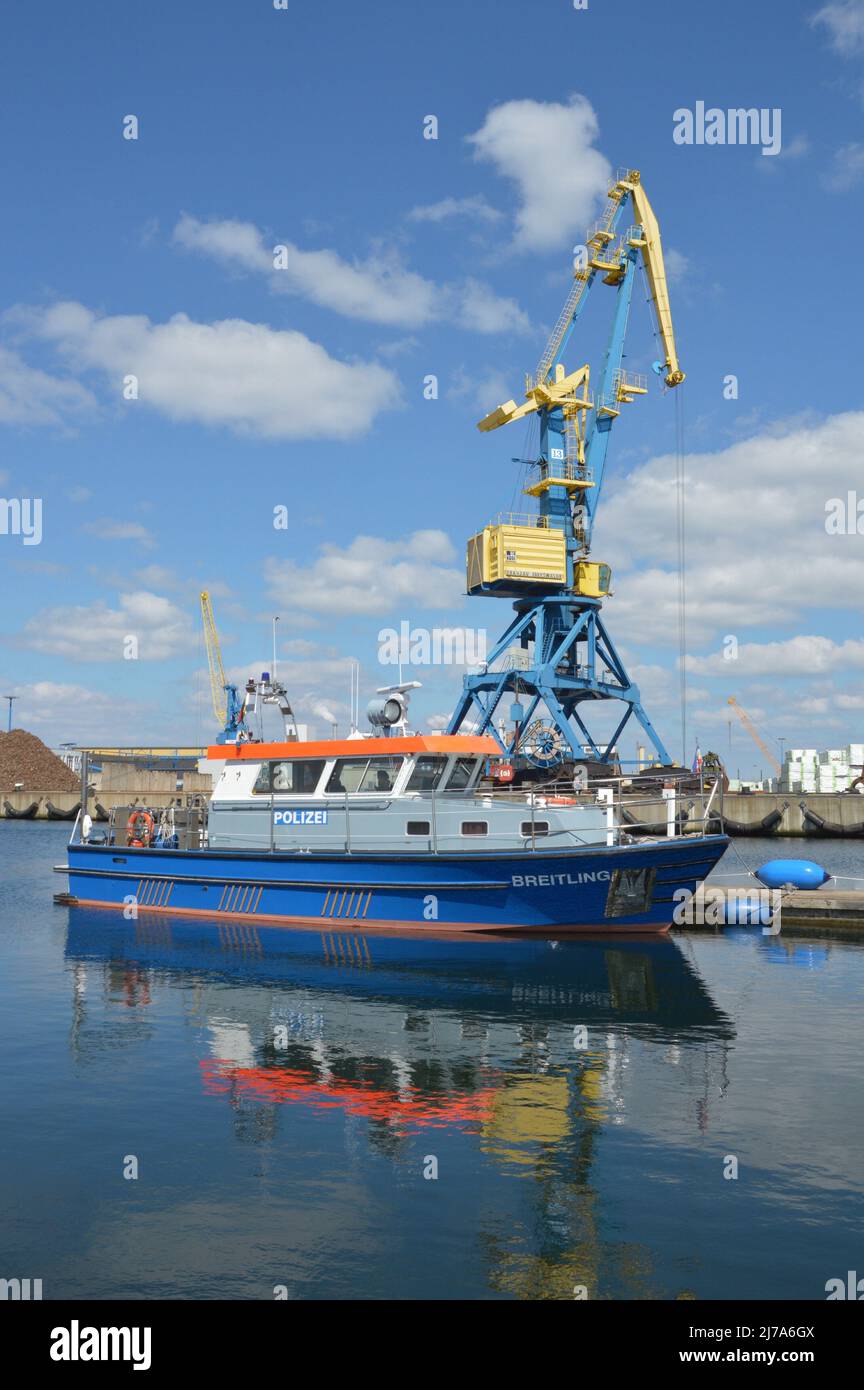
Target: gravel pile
24 758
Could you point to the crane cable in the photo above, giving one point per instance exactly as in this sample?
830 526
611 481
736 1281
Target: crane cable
528 448
681 536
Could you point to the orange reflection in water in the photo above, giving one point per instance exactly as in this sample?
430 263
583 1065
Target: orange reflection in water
406 1107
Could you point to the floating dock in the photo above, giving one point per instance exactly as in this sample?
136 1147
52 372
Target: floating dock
823 910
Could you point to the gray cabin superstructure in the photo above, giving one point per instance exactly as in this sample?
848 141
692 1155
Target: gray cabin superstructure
408 799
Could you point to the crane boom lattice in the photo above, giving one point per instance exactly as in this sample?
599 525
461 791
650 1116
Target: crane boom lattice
755 734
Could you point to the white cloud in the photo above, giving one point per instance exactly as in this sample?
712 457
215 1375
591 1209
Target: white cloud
484 388
474 207
479 308
306 668
29 396
757 549
379 289
96 632
398 347
847 169
60 711
791 150
677 265
246 376
108 530
547 149
844 20
158 577
228 240
796 656
372 575
796 148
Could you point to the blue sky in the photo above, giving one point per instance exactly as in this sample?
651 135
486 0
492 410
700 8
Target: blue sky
409 257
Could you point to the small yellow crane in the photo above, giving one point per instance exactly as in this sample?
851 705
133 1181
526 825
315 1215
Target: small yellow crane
227 705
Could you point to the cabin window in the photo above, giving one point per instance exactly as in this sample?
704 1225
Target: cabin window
426 774
463 771
475 827
381 774
364 775
297 775
417 827
540 827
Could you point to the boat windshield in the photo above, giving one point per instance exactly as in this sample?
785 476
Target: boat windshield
364 774
426 774
463 771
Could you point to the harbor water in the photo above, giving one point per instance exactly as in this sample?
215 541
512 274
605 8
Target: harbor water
209 1111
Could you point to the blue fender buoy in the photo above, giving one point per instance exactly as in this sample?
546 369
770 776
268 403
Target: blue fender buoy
801 873
744 912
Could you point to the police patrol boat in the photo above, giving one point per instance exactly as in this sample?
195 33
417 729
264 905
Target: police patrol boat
388 830
407 831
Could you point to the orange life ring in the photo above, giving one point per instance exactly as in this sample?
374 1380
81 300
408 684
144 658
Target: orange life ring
139 829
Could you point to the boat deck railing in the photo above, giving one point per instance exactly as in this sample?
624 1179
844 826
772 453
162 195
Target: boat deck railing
672 811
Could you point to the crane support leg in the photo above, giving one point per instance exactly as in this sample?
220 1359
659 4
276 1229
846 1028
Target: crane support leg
570 661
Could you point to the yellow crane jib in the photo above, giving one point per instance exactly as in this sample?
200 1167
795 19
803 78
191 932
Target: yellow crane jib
214 658
562 391
652 256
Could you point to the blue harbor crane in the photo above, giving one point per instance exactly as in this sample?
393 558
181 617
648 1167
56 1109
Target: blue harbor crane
556 655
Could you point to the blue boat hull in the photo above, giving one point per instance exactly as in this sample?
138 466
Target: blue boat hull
618 889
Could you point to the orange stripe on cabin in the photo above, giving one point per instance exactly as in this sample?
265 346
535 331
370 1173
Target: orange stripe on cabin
469 744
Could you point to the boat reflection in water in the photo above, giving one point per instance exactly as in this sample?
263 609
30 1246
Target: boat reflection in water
412 1032
523 1046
